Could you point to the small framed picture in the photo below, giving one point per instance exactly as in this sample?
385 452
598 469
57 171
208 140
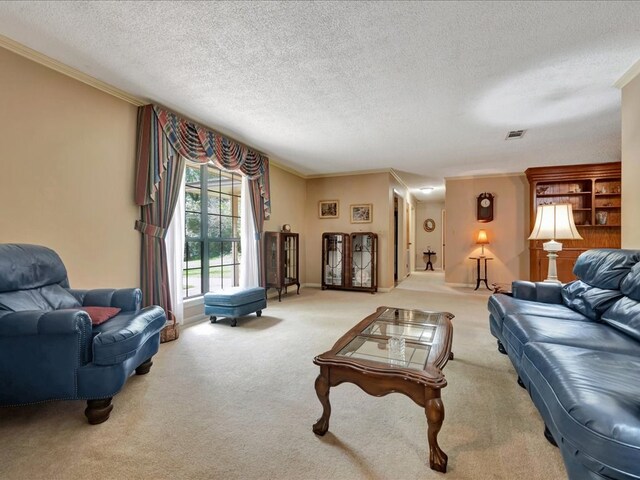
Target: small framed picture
328 209
362 213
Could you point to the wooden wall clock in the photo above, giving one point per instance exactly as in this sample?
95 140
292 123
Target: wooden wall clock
485 207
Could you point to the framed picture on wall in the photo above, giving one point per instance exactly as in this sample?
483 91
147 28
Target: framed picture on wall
328 209
362 213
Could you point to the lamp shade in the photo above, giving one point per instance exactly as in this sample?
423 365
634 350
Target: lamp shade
554 222
482 238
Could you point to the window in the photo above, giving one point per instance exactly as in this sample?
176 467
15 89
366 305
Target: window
212 230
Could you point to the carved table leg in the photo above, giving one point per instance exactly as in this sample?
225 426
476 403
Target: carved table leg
322 390
98 411
434 409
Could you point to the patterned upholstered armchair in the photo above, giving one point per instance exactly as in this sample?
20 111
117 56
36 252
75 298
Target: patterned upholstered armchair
49 347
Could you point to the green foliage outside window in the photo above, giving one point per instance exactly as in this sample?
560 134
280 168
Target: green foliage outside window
212 246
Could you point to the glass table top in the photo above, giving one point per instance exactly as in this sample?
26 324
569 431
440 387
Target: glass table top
397 338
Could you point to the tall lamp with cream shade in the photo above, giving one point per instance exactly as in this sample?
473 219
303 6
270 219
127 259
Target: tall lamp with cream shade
554 222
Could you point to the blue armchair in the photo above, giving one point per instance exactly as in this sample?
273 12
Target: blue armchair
49 349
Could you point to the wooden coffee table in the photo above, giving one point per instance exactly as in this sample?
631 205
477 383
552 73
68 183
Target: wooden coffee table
393 350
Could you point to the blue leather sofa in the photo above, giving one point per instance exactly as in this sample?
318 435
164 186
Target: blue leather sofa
576 349
49 349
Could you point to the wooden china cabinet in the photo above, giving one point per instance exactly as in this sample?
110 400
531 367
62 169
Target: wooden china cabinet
349 261
281 259
594 192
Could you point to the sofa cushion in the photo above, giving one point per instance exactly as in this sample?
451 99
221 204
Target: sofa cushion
588 300
23 300
605 268
631 284
500 305
59 297
591 398
625 316
24 267
518 330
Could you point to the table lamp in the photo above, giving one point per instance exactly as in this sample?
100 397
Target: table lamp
554 222
482 240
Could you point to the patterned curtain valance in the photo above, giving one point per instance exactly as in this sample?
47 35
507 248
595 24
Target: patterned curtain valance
163 134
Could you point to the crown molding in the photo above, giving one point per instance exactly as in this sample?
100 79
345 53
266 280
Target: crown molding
347 174
400 181
293 171
42 59
489 175
627 76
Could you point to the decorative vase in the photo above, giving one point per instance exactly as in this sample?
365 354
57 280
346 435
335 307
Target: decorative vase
601 218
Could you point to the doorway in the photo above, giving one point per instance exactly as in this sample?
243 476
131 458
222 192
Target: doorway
444 233
395 239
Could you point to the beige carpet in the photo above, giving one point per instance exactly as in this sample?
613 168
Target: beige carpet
238 403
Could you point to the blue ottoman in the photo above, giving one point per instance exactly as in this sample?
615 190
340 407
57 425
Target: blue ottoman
234 302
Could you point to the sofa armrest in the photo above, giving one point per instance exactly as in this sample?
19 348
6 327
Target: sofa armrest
545 292
41 353
126 299
123 340
71 328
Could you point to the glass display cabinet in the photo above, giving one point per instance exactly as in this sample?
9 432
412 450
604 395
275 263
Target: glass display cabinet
349 261
281 261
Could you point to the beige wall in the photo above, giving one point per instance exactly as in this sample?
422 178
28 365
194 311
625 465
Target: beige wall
424 239
288 200
67 172
631 164
507 233
352 189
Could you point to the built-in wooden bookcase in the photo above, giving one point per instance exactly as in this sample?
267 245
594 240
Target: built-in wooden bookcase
594 191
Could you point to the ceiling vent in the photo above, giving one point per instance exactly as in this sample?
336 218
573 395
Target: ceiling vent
513 134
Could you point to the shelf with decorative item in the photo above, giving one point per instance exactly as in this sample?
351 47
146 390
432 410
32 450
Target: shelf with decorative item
607 186
566 194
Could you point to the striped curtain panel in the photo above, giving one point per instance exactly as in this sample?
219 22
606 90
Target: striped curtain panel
164 141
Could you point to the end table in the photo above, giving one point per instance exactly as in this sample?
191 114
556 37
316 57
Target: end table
480 278
429 264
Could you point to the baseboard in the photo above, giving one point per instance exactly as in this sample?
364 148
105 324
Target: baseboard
195 319
463 285
318 285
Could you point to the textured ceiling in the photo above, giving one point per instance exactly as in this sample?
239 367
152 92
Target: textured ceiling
430 89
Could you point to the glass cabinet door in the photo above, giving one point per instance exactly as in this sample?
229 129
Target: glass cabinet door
290 259
271 258
362 260
333 259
